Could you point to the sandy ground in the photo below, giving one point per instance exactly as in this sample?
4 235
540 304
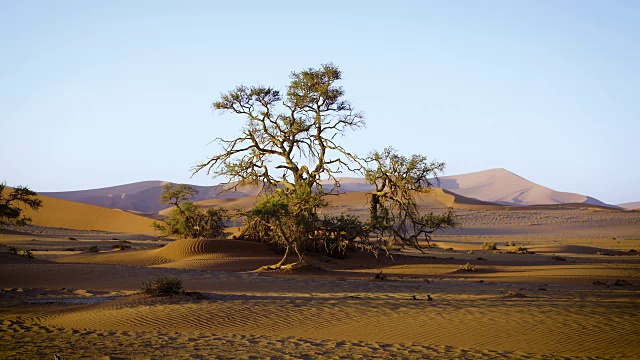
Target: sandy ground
574 294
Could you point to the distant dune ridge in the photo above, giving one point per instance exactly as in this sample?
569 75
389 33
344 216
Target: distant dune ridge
504 187
630 205
497 186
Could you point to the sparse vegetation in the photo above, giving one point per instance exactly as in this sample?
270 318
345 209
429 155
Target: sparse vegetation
288 147
186 219
470 252
489 246
515 294
468 267
93 248
12 202
520 250
122 245
24 253
163 286
380 276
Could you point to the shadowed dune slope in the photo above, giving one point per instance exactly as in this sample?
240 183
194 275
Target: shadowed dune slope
72 215
222 255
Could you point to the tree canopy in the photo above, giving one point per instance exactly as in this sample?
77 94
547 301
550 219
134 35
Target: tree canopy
10 200
186 219
289 144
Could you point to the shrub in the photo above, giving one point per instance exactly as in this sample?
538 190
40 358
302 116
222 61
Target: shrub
470 252
513 293
122 245
468 267
489 246
27 254
520 250
163 286
12 251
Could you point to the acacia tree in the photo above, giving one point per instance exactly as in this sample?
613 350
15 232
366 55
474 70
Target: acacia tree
394 213
289 142
186 219
10 211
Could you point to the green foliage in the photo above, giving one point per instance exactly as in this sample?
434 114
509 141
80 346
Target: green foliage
10 211
520 250
338 233
394 212
288 146
468 267
186 219
487 245
163 286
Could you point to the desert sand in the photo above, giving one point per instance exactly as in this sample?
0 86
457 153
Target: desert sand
575 292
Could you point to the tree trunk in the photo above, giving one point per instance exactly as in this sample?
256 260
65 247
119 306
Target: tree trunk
282 261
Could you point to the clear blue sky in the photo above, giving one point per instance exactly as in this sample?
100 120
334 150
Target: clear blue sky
101 93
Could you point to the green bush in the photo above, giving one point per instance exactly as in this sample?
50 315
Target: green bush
489 246
520 250
468 267
163 286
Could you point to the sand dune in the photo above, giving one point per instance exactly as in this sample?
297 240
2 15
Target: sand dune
504 187
73 215
630 205
227 255
493 186
575 297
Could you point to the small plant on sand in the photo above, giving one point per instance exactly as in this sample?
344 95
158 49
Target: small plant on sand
13 251
122 245
489 246
380 276
28 254
515 294
520 250
470 252
163 286
93 248
468 267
